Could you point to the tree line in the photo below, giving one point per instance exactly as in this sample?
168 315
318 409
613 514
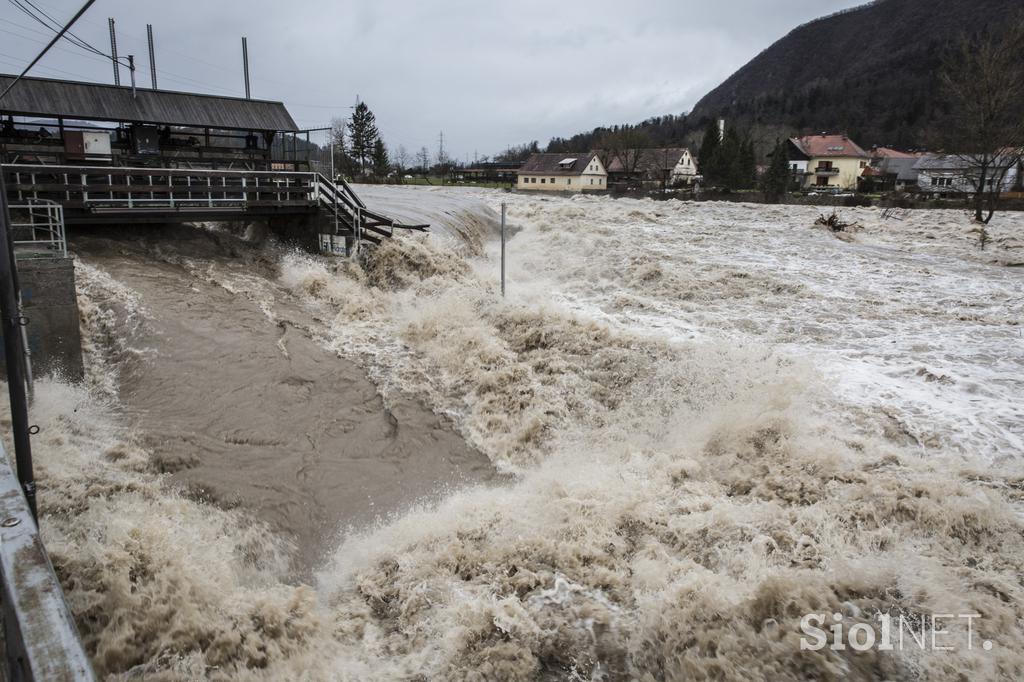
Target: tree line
360 152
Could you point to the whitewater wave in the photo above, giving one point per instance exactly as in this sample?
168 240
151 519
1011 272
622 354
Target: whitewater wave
687 485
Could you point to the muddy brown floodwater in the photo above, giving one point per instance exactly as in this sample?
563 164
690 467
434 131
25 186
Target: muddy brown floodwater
242 406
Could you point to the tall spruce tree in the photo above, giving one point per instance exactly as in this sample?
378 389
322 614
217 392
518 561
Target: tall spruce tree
728 164
748 164
775 181
381 163
362 136
707 158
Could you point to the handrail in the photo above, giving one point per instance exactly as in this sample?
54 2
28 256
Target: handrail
41 640
49 224
152 170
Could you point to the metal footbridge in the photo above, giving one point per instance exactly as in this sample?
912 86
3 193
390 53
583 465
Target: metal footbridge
112 195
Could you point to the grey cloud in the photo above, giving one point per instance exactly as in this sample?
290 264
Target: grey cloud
489 74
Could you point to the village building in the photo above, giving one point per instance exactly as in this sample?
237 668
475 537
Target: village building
890 170
488 171
563 173
666 166
826 161
50 121
944 175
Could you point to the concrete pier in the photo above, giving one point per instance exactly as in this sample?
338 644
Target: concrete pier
51 306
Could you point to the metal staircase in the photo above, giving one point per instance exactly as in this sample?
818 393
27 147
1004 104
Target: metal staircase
347 216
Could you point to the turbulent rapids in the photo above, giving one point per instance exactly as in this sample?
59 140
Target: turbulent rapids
686 427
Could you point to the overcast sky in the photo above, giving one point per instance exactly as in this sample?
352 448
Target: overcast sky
489 74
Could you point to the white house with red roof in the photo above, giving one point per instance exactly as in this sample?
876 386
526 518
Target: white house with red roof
827 161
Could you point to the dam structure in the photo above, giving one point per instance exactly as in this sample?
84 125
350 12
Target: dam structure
119 155
75 154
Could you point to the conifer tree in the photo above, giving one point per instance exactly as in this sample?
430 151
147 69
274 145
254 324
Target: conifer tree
776 179
748 165
707 157
381 164
362 136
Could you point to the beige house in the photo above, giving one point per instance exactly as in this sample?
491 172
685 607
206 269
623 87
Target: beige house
827 161
563 173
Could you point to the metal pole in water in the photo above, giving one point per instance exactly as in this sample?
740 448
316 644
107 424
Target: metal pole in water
503 208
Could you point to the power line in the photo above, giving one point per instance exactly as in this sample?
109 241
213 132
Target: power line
46 49
54 26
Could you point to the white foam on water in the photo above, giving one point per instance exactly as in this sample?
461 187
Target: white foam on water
718 417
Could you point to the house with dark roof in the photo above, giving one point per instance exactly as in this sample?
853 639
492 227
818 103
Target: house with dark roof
670 166
947 175
832 161
563 173
890 170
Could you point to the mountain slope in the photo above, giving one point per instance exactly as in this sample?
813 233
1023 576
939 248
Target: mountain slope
871 71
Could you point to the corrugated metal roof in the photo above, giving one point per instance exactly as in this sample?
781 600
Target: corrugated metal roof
98 102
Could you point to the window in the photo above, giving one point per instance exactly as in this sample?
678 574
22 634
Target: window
552 181
863 164
542 181
533 180
568 181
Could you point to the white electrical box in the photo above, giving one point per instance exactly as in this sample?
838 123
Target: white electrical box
96 146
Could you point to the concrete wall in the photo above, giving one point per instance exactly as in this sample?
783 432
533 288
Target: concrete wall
51 306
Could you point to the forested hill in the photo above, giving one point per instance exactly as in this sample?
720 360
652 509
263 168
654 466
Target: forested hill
871 71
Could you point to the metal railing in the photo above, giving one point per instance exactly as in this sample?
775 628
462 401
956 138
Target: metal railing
158 188
40 637
37 229
826 170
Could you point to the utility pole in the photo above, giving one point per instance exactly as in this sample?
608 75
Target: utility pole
152 55
113 52
131 70
245 65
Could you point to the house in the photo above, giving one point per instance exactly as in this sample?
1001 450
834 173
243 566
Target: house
945 175
563 173
890 170
670 166
488 171
827 161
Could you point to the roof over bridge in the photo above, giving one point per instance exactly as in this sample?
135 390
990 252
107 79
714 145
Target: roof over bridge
99 102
